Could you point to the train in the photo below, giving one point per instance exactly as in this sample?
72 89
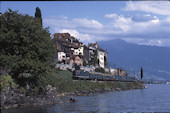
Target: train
85 75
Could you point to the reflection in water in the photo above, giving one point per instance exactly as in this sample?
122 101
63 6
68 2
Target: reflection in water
153 99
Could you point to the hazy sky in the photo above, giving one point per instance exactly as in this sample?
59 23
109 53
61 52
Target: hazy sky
141 22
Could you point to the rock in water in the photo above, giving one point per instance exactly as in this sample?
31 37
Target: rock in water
73 100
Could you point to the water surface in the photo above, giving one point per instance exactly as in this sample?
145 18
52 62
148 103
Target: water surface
156 98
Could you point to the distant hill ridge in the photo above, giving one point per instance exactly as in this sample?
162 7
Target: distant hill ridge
167 47
154 60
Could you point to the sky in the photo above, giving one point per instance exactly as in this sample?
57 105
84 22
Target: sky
139 22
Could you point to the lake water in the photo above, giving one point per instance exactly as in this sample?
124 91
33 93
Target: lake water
156 98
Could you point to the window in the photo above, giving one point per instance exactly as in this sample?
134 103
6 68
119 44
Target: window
101 53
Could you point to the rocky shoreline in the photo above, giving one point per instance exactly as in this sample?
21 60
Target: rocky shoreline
13 98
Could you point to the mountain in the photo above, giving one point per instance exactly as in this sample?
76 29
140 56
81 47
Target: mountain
154 60
167 47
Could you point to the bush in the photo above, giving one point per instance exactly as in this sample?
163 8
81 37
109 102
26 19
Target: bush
22 90
100 69
6 81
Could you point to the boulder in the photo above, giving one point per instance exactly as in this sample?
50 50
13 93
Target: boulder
118 89
72 100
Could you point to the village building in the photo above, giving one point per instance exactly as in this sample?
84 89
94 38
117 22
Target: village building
113 71
78 60
61 56
101 58
78 51
122 72
67 48
118 71
81 50
97 53
71 52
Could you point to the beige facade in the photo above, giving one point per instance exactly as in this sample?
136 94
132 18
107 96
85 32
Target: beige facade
81 49
78 61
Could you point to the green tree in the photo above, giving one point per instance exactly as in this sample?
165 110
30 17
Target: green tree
105 61
84 62
100 69
96 60
38 14
141 71
26 48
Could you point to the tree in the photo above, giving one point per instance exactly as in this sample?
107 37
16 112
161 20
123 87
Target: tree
105 61
100 69
84 62
96 60
38 14
26 48
141 71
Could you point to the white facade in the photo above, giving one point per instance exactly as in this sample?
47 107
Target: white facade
113 71
61 56
107 69
81 50
101 58
78 51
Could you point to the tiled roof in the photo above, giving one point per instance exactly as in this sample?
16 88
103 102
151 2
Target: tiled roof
98 47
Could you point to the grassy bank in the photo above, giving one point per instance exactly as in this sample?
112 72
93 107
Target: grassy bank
63 82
